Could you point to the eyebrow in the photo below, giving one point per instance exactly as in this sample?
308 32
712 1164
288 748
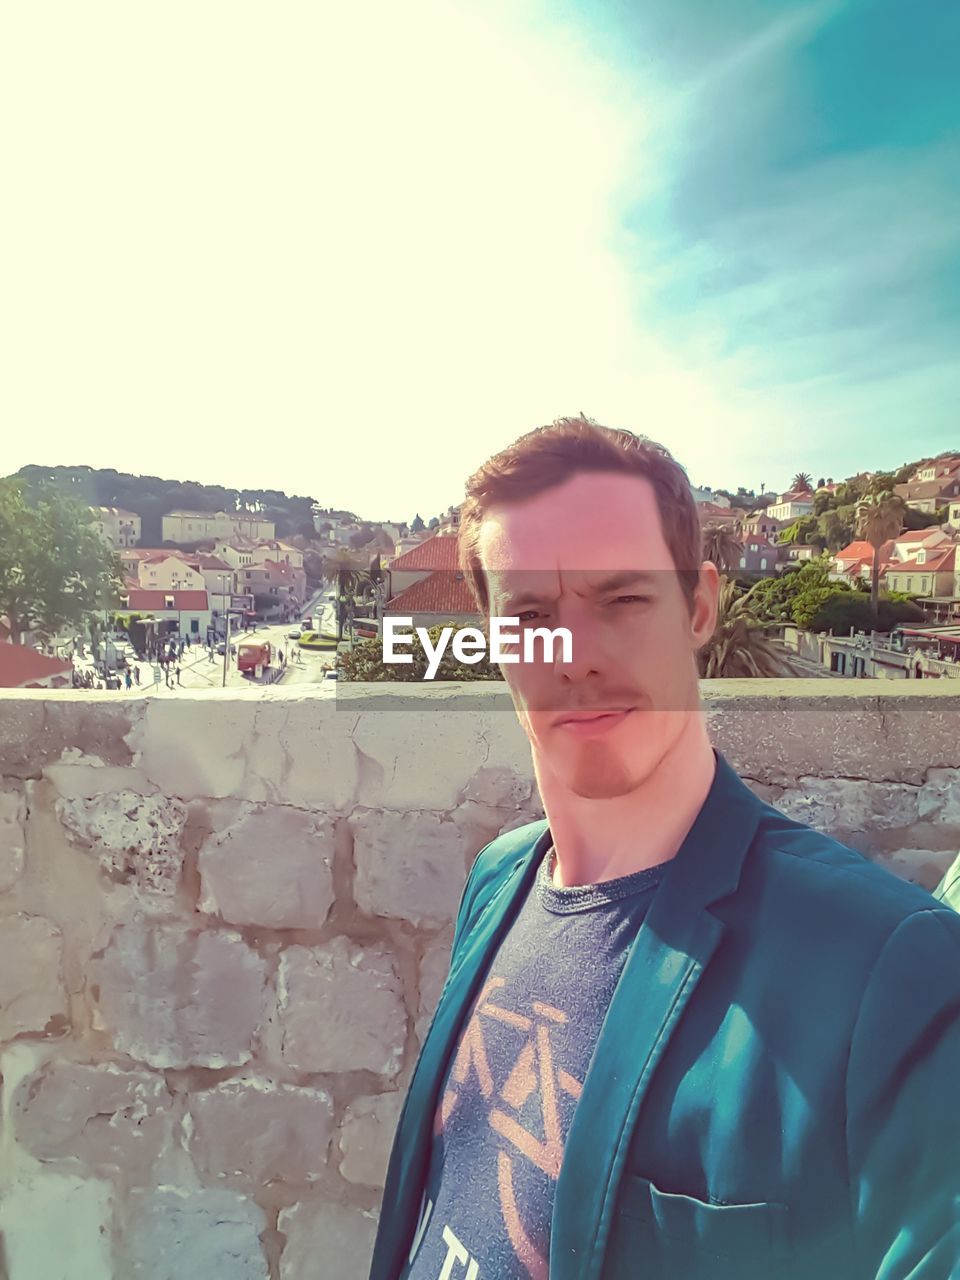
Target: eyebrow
625 578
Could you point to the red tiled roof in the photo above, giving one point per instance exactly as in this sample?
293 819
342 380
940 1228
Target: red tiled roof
917 535
442 592
937 563
438 552
20 664
150 599
209 562
856 551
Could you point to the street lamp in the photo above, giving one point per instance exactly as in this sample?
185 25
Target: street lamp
226 634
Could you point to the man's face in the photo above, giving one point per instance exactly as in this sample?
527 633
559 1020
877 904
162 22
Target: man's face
590 555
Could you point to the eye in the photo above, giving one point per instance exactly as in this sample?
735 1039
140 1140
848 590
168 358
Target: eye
527 616
631 600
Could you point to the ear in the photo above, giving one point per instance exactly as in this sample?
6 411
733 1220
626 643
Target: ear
703 619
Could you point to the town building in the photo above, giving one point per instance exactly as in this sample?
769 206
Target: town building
175 612
425 583
197 526
759 555
760 524
791 506
23 667
117 527
933 485
708 497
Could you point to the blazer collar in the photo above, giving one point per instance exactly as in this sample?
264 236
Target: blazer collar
670 952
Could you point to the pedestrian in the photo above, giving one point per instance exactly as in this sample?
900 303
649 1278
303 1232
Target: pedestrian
128 679
755 1075
136 674
178 673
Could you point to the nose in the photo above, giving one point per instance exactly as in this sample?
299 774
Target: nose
585 656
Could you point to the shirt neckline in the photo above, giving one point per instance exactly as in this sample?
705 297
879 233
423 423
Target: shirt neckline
580 897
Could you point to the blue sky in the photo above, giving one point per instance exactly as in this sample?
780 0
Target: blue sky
803 241
353 251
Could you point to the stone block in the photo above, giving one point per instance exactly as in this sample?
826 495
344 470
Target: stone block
209 1234
940 796
261 1131
498 786
174 997
195 746
302 753
340 1008
326 1240
271 867
32 995
98 1113
426 758
57 1226
409 865
13 815
366 1137
846 804
137 838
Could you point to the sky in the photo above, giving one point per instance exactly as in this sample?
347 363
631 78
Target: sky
353 250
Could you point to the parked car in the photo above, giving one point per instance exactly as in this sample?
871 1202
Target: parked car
221 648
330 673
294 634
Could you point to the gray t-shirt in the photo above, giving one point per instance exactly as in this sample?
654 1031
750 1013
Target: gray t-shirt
514 1080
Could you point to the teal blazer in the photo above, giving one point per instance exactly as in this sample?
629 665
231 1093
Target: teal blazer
775 1091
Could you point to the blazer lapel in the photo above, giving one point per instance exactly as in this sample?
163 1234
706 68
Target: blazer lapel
401 1197
672 948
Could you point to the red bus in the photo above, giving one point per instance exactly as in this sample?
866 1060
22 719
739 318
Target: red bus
252 654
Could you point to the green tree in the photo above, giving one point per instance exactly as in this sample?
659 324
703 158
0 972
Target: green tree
54 566
740 645
721 546
879 518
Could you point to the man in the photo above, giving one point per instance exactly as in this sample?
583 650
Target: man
682 1035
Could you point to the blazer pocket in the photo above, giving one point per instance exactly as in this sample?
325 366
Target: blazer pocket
692 1238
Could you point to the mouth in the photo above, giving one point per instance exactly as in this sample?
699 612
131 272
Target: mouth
591 723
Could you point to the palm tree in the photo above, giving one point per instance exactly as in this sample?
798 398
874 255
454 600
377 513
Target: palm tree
801 482
879 517
722 546
740 645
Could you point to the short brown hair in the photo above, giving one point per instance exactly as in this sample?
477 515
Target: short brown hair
550 455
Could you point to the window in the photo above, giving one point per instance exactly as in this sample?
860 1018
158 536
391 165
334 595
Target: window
743 562
168 602
763 562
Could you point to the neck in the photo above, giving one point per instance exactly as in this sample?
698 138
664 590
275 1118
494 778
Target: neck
598 840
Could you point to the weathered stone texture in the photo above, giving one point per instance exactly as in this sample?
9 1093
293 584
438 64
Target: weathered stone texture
409 865
175 997
31 986
13 813
940 796
837 804
137 837
341 1008
366 1137
326 1240
56 1226
271 867
99 1113
173 1234
261 1130
925 867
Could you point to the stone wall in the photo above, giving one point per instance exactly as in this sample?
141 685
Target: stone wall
225 920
